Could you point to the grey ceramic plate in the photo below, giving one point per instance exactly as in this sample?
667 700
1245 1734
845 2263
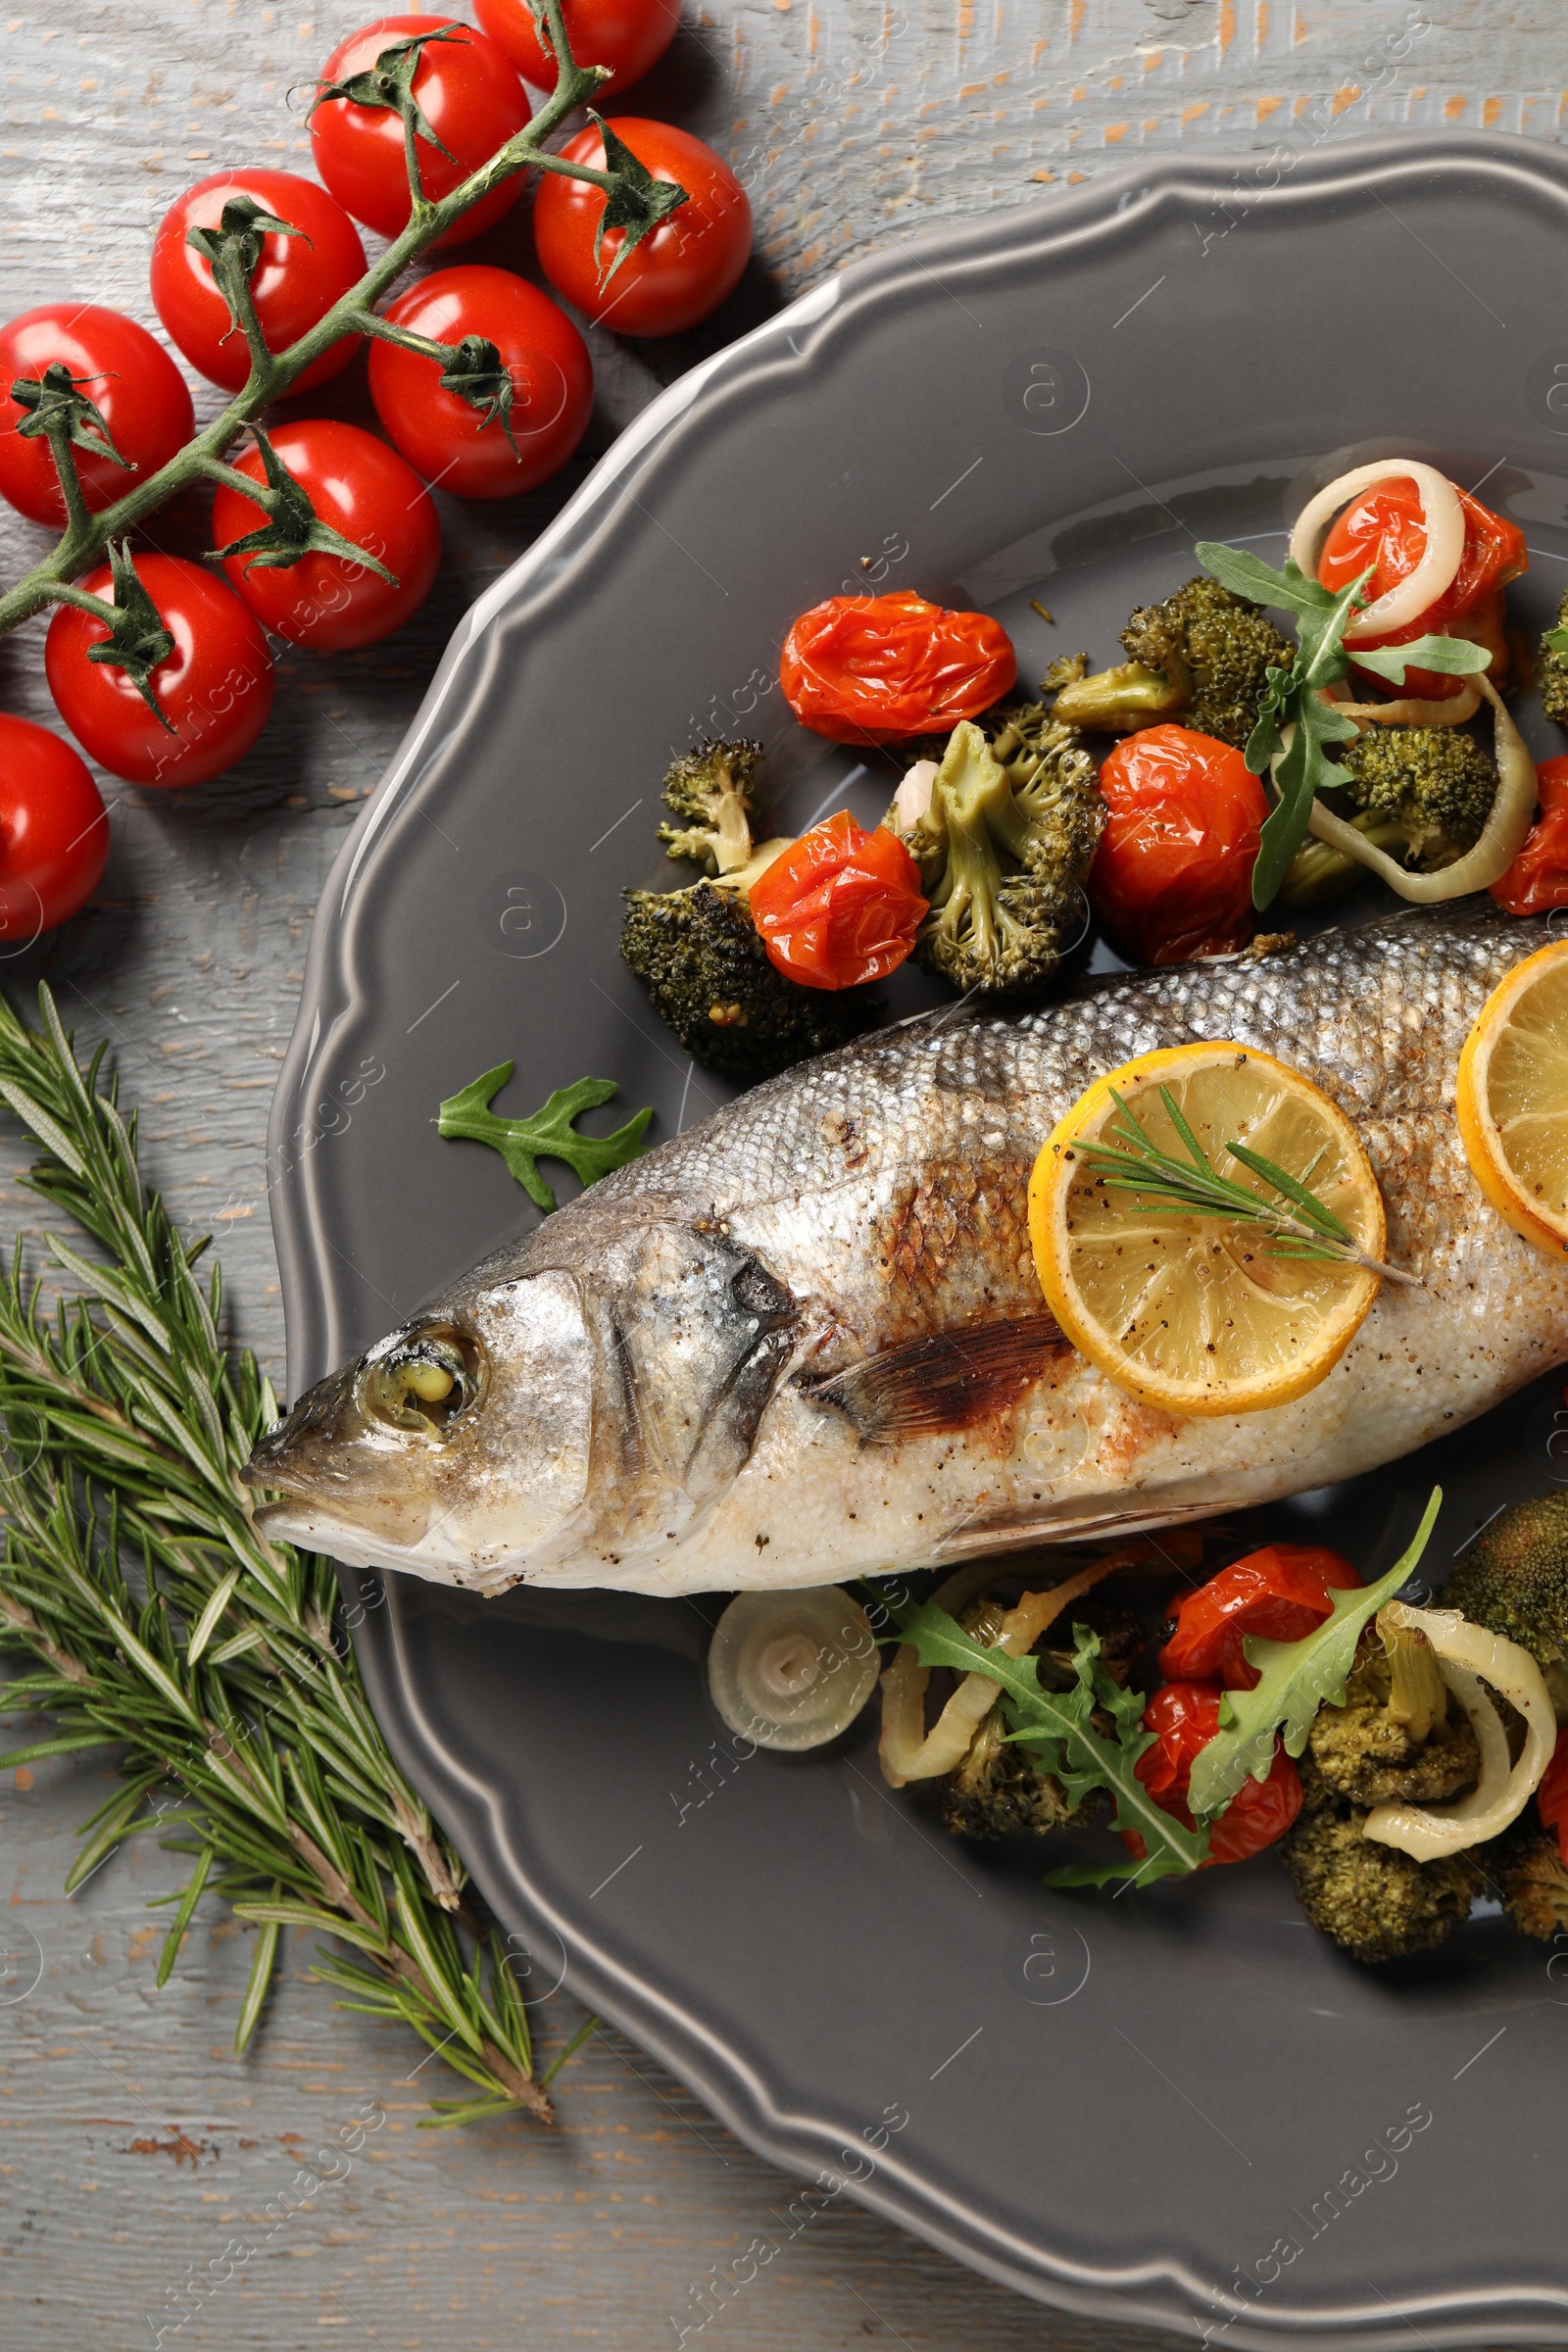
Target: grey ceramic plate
1182 2107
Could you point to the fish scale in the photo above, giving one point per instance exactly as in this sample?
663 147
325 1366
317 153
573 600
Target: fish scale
803 1340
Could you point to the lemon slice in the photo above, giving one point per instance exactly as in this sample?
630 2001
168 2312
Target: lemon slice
1512 1097
1195 1315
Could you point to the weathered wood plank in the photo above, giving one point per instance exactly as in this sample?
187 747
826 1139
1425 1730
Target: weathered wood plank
133 2145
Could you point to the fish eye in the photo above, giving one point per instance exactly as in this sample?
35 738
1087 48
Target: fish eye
427 1382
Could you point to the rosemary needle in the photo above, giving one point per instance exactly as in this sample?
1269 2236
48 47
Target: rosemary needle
161 1623
1299 1223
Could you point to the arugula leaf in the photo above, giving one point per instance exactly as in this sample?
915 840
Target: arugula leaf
1301 772
547 1133
1058 1723
1297 1678
1456 656
1246 575
1556 639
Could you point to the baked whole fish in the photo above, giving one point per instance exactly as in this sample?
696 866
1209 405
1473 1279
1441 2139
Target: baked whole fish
804 1341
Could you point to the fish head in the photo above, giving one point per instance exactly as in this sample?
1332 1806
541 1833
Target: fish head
456 1447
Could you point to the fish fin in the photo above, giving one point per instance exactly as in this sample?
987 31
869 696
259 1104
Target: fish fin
947 1382
1061 1527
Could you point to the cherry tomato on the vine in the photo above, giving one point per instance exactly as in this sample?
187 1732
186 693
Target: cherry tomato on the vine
296 282
1282 1592
1385 528
53 830
870 669
626 35
1184 1718
356 486
1172 876
469 95
680 271
552 383
214 689
143 399
841 906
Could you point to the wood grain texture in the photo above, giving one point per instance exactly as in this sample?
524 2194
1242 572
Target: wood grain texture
133 2145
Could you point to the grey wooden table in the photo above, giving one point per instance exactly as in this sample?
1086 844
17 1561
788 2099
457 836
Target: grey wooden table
134 2144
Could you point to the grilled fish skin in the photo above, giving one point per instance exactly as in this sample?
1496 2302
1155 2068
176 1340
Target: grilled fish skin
804 1341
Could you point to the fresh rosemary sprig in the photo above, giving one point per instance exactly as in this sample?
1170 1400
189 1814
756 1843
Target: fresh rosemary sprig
160 1621
1168 1186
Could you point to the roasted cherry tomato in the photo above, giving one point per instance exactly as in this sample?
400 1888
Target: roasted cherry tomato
467 93
140 393
871 669
1184 1718
1538 878
1384 527
680 271
297 280
841 906
1282 1592
53 830
626 35
360 487
1172 876
214 689
1552 1797
442 435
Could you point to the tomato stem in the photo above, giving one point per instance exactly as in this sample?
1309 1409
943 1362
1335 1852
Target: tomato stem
273 373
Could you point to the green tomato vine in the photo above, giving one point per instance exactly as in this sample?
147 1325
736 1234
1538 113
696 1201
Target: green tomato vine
59 412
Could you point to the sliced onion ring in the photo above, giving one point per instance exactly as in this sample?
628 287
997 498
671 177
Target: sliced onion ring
1414 711
1502 839
1443 516
1469 1655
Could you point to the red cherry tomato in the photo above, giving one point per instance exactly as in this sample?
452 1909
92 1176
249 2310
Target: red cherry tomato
296 282
360 487
1552 1797
870 669
841 906
214 689
1184 1718
143 398
1538 878
1384 527
1172 876
626 35
467 93
1282 1592
678 273
552 383
53 830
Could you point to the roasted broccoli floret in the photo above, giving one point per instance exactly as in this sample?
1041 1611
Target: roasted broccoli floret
1435 783
1513 1579
1533 1882
1000 1790
1551 671
1200 656
697 954
1395 1734
714 789
1002 845
1373 1902
1422 794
